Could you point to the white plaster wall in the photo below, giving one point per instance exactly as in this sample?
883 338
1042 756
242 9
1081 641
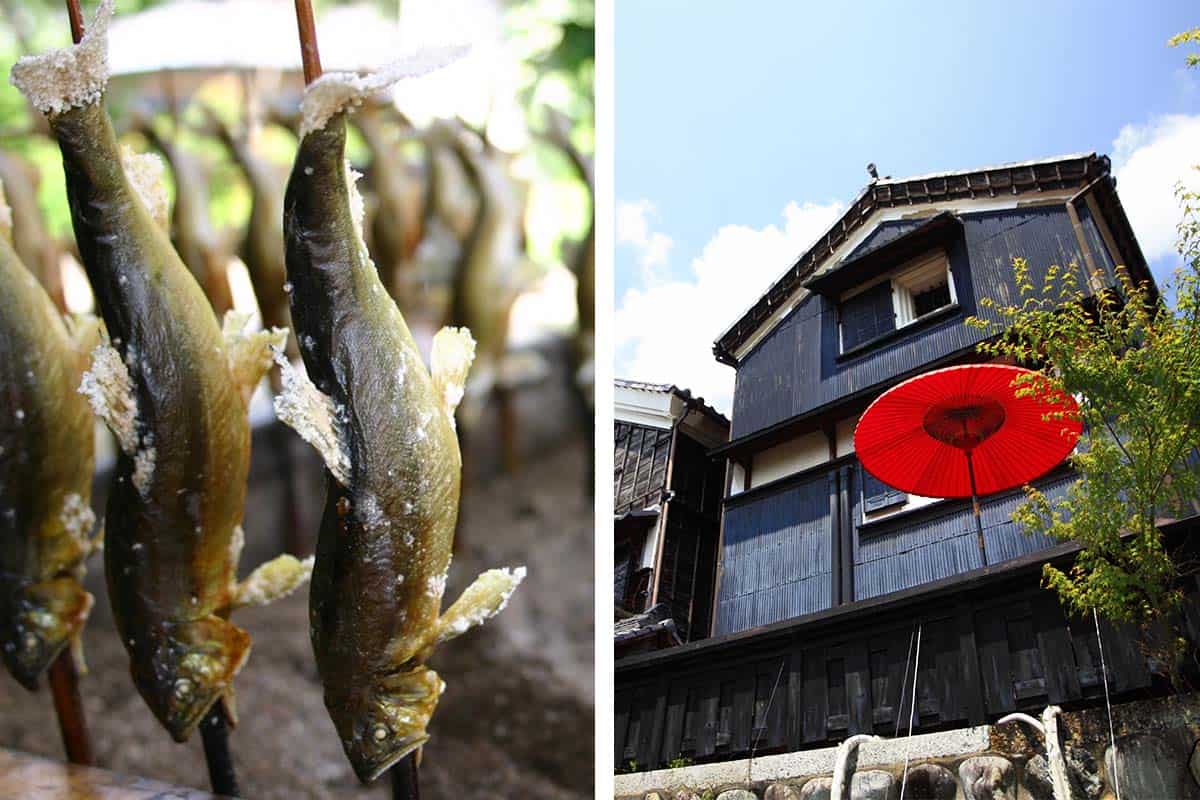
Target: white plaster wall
789 458
737 480
845 435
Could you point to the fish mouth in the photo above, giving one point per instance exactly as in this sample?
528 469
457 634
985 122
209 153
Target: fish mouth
368 769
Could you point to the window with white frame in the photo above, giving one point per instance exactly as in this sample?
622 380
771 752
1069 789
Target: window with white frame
920 288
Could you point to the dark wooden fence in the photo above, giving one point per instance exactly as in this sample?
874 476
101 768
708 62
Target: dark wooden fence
992 642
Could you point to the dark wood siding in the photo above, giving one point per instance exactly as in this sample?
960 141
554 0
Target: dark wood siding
1001 645
925 546
690 546
776 558
797 368
779 553
640 466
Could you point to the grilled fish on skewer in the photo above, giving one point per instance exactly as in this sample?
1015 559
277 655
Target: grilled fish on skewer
384 425
397 223
36 248
192 232
583 260
46 459
262 246
174 392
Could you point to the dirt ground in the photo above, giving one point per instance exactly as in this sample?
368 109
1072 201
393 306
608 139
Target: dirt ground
516 720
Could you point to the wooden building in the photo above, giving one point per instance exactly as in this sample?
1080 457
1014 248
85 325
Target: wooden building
667 496
826 576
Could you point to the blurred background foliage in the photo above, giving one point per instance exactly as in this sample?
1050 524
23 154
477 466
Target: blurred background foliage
549 44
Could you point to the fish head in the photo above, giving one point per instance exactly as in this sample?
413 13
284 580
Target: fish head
45 618
188 668
384 724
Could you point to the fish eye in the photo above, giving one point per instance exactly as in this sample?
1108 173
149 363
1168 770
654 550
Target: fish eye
182 689
380 732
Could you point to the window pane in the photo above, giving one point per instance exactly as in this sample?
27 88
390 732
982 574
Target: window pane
867 315
931 299
878 495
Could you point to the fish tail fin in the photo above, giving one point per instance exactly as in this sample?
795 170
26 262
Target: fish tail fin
483 599
49 616
449 361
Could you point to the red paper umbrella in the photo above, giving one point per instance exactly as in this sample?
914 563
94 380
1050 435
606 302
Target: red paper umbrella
963 432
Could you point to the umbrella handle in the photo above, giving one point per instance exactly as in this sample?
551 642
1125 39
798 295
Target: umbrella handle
975 508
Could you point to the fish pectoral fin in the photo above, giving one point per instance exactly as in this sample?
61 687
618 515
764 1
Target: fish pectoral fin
109 391
449 361
277 578
77 658
309 412
229 702
483 599
250 353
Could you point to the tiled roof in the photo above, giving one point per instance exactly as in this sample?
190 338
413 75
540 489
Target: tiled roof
670 388
1077 170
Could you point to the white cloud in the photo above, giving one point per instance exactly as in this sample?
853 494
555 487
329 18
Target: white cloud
633 228
664 332
1148 161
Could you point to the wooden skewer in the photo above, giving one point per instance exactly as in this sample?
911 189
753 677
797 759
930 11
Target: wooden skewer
405 785
404 779
308 41
76 17
64 678
214 730
64 686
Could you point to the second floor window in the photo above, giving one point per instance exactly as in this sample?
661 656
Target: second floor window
922 287
877 495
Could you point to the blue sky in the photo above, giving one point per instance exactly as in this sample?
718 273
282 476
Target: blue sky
743 129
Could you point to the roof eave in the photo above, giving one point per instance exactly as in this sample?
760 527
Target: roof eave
1077 169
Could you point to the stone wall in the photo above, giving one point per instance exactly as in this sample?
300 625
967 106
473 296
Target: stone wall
1157 758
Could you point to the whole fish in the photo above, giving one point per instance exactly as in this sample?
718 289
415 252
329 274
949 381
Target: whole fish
174 391
385 428
583 259
46 460
192 232
452 199
396 225
262 245
36 248
493 270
